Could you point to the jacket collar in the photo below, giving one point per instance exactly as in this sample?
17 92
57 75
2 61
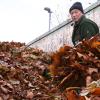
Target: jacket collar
80 20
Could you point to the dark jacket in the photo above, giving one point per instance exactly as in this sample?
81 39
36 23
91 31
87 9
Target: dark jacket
84 29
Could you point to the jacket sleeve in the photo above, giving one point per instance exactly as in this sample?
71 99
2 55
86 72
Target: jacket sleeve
88 30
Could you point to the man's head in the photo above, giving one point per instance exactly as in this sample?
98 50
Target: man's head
76 11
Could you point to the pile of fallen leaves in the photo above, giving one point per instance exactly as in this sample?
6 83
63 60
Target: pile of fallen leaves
71 66
21 73
36 75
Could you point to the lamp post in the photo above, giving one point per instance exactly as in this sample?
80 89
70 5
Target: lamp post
49 11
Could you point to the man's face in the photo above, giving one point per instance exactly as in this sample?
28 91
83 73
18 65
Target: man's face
76 14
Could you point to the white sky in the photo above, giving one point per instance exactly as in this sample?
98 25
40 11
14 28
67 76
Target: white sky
24 20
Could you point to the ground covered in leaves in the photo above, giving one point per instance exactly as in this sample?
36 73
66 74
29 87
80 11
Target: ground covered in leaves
32 74
21 73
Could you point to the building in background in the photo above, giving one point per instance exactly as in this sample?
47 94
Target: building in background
60 35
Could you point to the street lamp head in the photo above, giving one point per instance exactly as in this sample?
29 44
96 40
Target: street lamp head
48 9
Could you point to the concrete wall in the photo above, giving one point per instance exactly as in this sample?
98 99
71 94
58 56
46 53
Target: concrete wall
61 34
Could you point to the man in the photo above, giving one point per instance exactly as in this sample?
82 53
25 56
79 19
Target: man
83 28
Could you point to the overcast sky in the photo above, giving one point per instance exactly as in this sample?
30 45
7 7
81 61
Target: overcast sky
24 20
